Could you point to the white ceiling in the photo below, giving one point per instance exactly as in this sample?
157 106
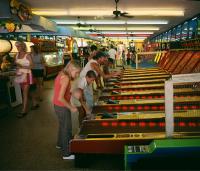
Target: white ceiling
190 8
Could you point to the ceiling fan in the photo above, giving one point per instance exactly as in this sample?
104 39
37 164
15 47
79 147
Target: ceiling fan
92 30
118 13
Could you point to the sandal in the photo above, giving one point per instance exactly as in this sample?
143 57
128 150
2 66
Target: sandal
21 114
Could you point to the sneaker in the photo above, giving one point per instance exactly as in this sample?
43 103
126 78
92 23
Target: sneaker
70 157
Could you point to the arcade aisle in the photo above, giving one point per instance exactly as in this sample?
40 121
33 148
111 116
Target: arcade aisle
29 143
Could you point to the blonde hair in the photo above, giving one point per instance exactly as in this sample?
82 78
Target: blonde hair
71 65
22 44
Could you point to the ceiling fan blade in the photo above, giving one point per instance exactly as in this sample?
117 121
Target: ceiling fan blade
128 16
78 25
91 30
124 13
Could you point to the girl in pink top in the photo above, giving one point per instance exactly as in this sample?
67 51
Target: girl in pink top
63 107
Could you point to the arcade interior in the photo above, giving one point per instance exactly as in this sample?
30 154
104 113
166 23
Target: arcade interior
146 118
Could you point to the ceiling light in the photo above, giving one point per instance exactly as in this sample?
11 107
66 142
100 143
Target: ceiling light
108 12
194 18
129 38
67 22
50 12
128 32
105 22
120 28
143 28
118 32
147 22
156 12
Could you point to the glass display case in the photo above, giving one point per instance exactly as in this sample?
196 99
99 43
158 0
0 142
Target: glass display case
52 58
52 55
53 62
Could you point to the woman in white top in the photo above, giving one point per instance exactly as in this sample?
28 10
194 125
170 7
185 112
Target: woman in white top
24 65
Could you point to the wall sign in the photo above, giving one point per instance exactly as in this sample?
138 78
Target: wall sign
21 10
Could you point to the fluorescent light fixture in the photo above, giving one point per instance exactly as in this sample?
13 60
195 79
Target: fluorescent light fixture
121 28
102 22
95 22
68 22
143 28
119 33
113 22
108 12
194 18
129 38
50 12
147 22
156 12
128 32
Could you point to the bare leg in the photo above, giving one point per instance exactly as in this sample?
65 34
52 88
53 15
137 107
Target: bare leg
25 98
40 87
34 99
39 84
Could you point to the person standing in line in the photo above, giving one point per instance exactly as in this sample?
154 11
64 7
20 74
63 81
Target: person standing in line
128 57
94 65
75 55
62 106
123 59
106 67
93 52
112 53
24 65
37 71
86 54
